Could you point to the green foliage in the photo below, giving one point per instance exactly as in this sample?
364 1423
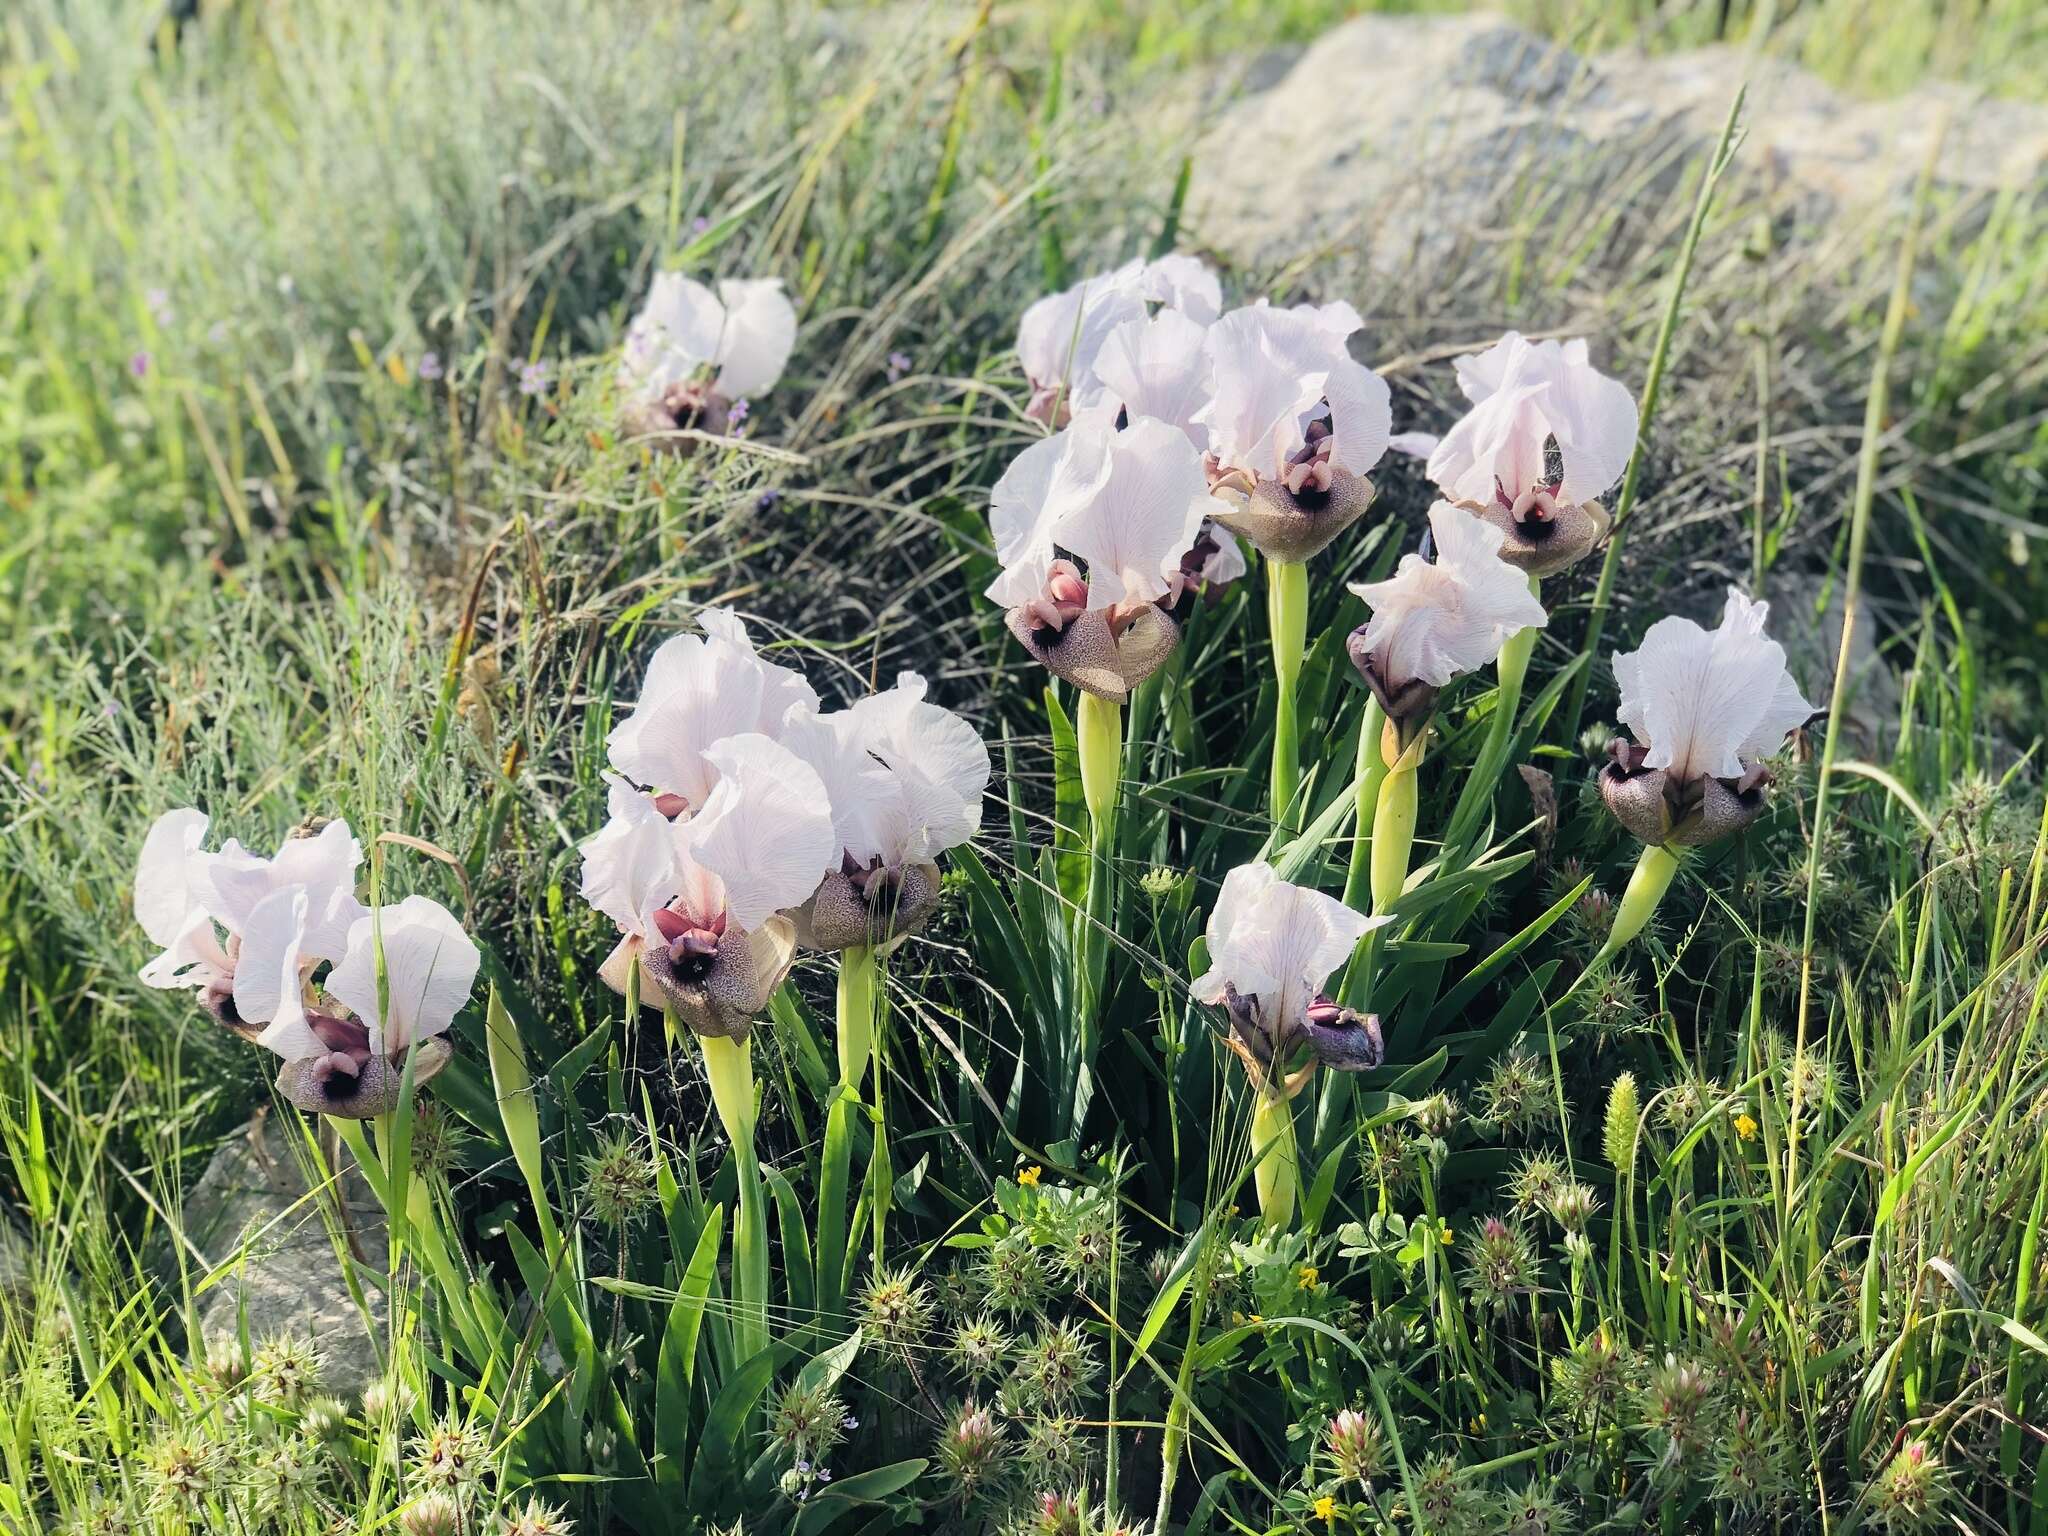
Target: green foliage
1613 1248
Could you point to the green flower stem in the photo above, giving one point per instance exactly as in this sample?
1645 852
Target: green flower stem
860 971
1275 1158
1646 887
859 981
1287 617
729 1066
1511 670
1393 826
1372 772
1098 729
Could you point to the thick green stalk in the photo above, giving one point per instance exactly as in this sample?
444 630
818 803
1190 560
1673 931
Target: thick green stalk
729 1067
859 977
1393 830
1653 386
1646 887
1275 1158
1287 615
1511 669
1098 728
1372 772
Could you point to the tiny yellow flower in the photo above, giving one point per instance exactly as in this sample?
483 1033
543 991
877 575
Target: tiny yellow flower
1326 1509
1259 1318
1029 1177
1745 1127
1445 1235
1307 1276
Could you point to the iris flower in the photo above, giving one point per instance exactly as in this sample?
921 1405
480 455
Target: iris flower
699 690
1703 708
1124 506
1061 335
905 779
248 933
1547 434
701 896
1433 620
691 354
1294 424
1272 947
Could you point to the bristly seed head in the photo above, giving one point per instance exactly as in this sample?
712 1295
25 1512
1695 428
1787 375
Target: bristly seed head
286 1371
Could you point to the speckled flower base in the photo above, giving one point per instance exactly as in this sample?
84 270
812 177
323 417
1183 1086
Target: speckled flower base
1093 658
840 916
373 1091
1294 528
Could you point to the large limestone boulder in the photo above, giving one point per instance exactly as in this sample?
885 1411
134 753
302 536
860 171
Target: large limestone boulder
250 1211
1402 135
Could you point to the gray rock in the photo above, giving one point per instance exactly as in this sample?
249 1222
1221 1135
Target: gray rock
1403 135
252 1201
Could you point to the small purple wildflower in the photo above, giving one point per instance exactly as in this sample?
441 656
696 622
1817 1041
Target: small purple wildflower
139 364
849 1422
803 1466
430 366
699 224
824 1474
899 365
533 379
739 411
768 501
111 708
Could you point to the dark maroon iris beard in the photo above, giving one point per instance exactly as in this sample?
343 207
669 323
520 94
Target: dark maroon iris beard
873 880
1064 599
1537 505
1309 472
348 1053
691 948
